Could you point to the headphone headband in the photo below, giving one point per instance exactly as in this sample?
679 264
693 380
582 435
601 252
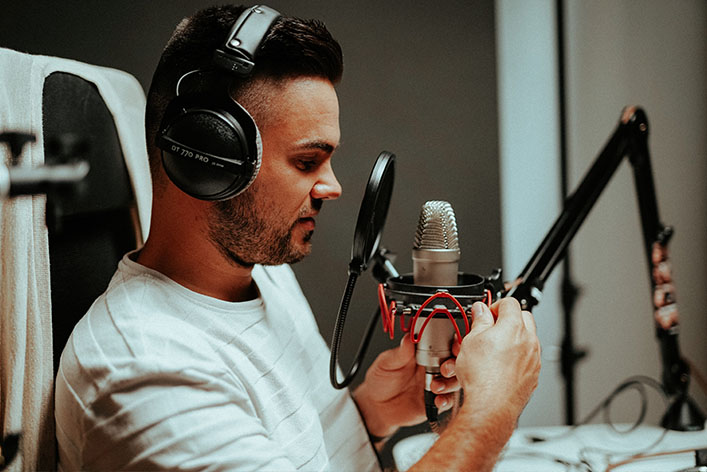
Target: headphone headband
238 52
211 146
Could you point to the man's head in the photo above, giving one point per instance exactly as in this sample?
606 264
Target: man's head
292 48
291 98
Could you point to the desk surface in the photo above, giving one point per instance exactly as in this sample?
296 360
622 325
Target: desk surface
598 445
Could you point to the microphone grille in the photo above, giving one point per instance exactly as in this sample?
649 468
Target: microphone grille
437 227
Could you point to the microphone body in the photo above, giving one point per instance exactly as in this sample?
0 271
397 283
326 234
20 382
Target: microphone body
435 268
435 260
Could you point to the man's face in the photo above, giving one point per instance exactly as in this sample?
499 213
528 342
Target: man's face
273 220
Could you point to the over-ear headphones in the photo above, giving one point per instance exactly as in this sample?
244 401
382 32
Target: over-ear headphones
211 147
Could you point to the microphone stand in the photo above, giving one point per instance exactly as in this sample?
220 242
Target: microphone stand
629 139
570 355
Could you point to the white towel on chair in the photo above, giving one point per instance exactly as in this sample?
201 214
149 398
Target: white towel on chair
26 365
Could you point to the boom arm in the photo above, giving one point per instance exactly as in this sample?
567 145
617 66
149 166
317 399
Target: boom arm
629 140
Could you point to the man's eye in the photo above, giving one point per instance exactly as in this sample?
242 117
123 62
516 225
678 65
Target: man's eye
306 164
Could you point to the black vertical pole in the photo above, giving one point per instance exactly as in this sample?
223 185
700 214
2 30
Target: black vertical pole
570 355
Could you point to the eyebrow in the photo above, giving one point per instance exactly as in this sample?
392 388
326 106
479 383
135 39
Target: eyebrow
320 145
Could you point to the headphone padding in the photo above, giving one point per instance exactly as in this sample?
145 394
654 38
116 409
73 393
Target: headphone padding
226 132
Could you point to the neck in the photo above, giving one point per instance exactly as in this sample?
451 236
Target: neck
178 248
198 267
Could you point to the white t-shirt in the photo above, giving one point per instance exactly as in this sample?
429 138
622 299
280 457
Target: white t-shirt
156 376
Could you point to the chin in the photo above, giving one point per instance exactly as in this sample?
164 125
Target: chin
300 252
299 246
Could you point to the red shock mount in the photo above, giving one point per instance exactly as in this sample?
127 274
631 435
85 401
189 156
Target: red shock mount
406 298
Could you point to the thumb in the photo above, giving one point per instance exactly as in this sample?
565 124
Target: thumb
398 357
481 318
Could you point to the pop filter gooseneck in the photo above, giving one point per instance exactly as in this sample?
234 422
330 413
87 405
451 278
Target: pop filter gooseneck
367 235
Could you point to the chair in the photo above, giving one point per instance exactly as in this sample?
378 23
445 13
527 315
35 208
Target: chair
56 262
89 229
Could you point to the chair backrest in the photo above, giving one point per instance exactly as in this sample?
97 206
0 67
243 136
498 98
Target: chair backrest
91 228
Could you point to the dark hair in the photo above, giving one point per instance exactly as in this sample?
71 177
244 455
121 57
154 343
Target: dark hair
292 48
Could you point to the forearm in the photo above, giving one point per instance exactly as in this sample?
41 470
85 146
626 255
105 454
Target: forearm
472 441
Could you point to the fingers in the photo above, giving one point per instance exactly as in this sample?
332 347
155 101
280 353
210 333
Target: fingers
529 322
397 358
441 385
506 307
506 311
446 382
448 368
444 402
481 318
509 313
500 361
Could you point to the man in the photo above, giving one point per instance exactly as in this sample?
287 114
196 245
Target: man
203 352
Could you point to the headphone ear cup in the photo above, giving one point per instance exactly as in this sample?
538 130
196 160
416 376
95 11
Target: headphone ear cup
215 133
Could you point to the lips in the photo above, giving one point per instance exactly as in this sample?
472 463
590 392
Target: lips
308 223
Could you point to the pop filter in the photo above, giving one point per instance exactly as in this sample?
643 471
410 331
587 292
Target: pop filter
367 235
373 212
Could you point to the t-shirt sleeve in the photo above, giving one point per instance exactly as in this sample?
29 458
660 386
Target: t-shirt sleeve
176 420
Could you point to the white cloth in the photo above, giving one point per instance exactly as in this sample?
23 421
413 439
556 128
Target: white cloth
156 376
26 366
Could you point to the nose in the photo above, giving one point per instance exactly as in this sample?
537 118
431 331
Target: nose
327 187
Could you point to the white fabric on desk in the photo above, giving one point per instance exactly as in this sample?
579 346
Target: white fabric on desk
598 444
26 366
156 376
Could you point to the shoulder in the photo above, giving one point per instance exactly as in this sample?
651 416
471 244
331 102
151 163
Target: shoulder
140 323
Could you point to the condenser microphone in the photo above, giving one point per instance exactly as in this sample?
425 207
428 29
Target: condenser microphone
435 262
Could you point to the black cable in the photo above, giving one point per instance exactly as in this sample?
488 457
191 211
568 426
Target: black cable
604 406
638 383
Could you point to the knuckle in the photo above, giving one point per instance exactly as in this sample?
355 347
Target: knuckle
509 303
